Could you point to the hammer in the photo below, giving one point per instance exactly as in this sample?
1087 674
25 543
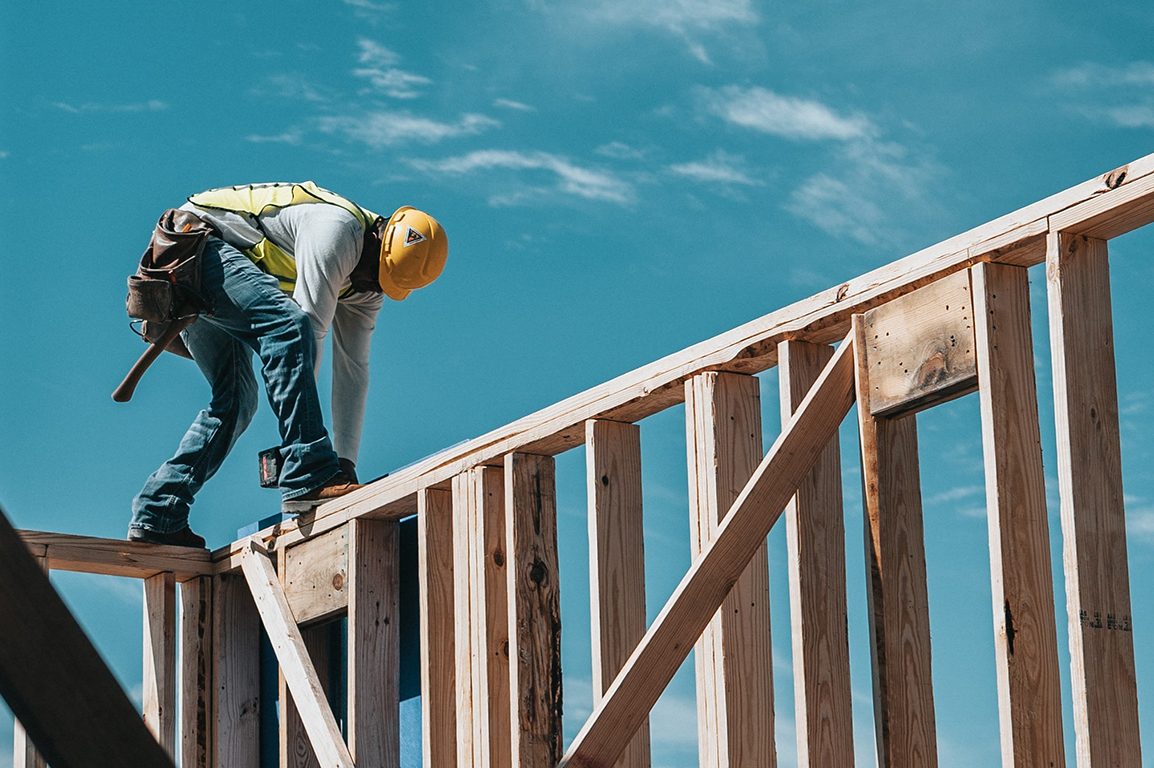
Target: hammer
124 392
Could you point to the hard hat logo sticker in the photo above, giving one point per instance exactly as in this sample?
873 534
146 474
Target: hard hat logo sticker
413 236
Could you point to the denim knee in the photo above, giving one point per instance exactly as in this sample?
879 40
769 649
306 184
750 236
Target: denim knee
234 404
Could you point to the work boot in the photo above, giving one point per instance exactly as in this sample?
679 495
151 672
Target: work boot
182 538
339 485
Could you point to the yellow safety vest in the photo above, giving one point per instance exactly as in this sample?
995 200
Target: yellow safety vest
255 199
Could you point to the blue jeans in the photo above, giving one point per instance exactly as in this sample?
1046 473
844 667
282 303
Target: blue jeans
251 314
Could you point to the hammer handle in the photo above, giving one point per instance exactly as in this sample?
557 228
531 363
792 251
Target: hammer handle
124 392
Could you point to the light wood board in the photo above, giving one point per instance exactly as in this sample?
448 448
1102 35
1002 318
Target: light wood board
1025 635
616 559
1093 516
703 589
898 597
815 542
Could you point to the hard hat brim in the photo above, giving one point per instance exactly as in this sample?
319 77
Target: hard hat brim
390 288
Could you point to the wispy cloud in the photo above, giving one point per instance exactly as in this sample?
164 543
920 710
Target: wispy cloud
369 6
673 722
381 70
572 179
955 494
1092 75
719 168
679 15
619 151
294 87
1140 524
789 117
386 129
1120 95
691 20
292 138
152 105
510 104
838 208
867 192
394 82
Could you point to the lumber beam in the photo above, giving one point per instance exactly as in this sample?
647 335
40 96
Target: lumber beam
196 682
482 628
616 559
1093 517
701 592
295 749
464 596
437 617
296 666
159 679
374 638
734 657
24 754
898 597
235 705
534 609
54 680
116 557
1025 639
815 541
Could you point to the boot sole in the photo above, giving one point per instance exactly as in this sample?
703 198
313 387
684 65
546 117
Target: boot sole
295 507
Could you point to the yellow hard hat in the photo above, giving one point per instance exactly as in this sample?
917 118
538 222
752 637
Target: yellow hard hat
413 252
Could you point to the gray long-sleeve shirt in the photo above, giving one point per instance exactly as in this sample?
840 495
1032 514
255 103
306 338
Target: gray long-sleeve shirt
325 241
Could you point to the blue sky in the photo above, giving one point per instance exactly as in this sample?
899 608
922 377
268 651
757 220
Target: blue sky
618 181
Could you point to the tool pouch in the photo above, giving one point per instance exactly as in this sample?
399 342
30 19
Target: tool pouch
166 285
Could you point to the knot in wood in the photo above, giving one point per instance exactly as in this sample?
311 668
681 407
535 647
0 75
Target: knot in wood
1115 178
538 572
338 581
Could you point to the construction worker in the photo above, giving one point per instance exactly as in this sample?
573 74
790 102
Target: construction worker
289 262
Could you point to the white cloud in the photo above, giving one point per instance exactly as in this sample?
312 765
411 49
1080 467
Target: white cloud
1122 96
4 155
789 117
687 19
367 5
680 15
1091 75
292 138
376 55
152 105
718 168
673 721
510 104
571 179
837 208
955 494
384 129
1135 116
394 82
293 87
1140 524
873 187
619 151
382 72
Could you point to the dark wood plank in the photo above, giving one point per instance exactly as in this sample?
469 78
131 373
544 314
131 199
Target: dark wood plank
54 680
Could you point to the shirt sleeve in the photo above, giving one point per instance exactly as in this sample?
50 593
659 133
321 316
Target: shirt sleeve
327 250
353 325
